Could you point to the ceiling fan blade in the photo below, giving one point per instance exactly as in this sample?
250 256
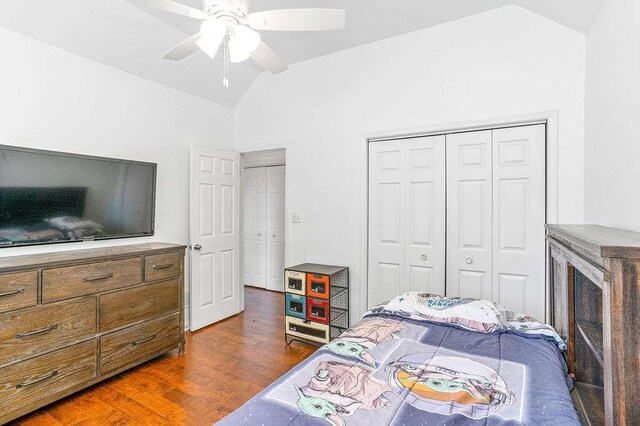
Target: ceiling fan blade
180 9
297 20
184 49
268 59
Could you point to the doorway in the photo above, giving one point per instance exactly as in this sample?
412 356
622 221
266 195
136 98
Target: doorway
263 216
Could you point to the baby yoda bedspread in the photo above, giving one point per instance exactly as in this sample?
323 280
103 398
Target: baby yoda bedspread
425 360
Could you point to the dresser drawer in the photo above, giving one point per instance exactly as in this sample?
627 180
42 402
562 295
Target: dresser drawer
129 306
74 281
307 329
125 347
295 282
161 266
318 286
27 382
45 327
18 290
318 310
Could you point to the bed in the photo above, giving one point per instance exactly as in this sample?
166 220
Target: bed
425 359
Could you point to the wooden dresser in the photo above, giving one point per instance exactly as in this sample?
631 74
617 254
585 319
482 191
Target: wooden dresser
595 282
71 319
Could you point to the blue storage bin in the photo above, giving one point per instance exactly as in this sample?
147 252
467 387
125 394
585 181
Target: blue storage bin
296 306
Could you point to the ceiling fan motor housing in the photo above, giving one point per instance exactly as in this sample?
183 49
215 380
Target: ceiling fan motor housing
235 7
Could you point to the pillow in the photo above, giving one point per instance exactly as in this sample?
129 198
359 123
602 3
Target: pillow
471 314
478 315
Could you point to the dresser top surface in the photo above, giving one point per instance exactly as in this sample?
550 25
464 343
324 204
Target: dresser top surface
601 240
84 255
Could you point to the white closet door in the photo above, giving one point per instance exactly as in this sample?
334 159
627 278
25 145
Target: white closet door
254 193
386 221
275 227
406 217
469 214
519 218
425 215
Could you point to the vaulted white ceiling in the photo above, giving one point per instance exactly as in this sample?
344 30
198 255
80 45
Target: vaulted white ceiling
127 35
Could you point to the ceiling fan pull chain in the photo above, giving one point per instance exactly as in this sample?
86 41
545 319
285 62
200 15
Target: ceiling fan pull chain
225 75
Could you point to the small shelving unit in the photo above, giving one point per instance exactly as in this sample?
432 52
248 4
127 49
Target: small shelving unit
316 303
594 278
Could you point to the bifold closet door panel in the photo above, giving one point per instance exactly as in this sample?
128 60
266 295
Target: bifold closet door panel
275 178
425 215
406 217
386 221
519 218
469 214
254 198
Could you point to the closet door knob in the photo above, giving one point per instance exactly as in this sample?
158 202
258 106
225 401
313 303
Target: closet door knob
273 236
423 257
197 247
469 261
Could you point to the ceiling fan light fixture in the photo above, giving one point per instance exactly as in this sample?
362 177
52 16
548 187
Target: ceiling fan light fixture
247 39
213 33
237 52
213 27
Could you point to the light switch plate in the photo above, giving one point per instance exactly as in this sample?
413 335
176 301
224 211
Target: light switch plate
296 217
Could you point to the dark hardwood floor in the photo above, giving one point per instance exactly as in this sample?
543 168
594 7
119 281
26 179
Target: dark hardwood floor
224 365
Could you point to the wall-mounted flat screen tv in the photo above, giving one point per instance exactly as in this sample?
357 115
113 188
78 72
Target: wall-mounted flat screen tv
54 197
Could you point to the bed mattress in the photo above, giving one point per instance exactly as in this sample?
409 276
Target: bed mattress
424 359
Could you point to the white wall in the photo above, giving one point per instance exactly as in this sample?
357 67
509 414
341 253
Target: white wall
612 138
502 63
52 99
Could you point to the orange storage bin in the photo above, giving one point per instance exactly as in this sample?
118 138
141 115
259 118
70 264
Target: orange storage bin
318 286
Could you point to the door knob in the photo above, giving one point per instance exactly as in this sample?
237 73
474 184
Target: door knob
469 261
273 236
197 247
423 257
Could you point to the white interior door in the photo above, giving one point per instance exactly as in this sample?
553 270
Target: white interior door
214 235
254 224
406 217
519 218
275 227
469 218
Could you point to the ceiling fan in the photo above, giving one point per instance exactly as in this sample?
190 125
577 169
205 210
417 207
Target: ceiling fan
228 24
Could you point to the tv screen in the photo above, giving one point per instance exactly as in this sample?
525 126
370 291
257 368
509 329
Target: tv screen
53 197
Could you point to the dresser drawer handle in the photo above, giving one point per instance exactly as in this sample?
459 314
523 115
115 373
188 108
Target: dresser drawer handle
145 340
98 277
47 376
34 333
11 293
165 266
